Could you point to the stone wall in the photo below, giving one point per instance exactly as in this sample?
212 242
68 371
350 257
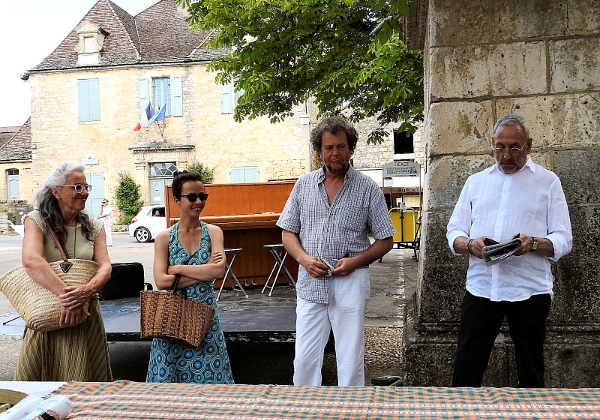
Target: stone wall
368 156
483 59
203 133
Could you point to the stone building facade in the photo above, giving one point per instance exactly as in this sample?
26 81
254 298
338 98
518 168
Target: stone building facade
88 94
483 59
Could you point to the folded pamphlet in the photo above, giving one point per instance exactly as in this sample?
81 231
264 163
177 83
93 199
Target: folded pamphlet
494 252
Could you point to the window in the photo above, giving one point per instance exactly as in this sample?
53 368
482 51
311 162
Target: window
229 98
89 99
88 44
244 174
403 142
160 91
163 169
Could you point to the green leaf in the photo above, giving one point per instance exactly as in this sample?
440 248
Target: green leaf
334 52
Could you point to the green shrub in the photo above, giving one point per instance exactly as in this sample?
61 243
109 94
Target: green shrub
208 174
128 198
125 219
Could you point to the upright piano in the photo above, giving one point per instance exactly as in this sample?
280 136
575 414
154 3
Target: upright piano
247 213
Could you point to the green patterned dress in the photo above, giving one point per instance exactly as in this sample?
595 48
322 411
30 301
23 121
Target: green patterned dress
171 361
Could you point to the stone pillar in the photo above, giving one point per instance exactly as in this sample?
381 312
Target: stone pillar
483 59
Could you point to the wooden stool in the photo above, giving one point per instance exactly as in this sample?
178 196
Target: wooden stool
229 274
279 254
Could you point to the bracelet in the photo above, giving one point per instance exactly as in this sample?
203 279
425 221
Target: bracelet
469 246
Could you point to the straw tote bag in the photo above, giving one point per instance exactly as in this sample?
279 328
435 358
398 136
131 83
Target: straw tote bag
38 306
168 314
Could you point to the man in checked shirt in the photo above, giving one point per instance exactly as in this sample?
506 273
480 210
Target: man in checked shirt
326 222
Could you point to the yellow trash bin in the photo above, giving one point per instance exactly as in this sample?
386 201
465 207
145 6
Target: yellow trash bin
405 223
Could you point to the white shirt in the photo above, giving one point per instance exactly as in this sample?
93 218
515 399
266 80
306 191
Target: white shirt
106 211
492 203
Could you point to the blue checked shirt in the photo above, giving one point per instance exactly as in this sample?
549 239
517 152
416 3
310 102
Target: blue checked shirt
336 231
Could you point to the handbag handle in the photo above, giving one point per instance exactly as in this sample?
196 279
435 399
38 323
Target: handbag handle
176 281
65 265
174 285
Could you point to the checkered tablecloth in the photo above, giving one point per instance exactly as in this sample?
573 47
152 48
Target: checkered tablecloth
134 400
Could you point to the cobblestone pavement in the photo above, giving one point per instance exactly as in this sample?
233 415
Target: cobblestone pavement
392 281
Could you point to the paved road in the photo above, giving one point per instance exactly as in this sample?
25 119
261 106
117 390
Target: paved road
252 363
128 360
124 249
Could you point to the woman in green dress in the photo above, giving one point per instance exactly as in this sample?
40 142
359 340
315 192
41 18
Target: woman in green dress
78 351
195 251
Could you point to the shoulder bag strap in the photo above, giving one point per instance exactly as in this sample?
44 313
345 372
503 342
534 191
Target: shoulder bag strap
65 265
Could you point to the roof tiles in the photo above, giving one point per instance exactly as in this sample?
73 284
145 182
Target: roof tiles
18 148
159 34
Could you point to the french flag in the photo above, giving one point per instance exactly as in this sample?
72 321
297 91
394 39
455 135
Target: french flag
145 118
159 116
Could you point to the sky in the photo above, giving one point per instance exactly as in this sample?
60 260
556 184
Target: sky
29 31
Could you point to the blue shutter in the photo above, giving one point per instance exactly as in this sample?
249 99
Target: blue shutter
94 99
82 95
176 97
13 187
237 174
244 174
92 204
226 99
143 97
88 96
251 174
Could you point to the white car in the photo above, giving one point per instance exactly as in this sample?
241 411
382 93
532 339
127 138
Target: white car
148 223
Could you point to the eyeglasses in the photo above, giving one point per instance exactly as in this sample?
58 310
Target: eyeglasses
512 150
79 187
193 197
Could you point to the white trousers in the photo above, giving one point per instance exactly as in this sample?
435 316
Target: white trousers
345 314
107 229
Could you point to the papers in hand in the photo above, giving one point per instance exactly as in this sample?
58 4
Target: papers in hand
495 252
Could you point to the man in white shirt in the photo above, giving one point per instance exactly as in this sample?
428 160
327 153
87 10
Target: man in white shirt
513 197
106 217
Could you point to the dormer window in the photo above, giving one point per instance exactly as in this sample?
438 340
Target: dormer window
91 40
88 44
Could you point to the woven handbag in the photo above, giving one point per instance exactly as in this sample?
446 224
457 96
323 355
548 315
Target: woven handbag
38 306
173 315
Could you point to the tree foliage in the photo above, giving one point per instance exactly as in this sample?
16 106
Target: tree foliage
346 55
208 174
128 197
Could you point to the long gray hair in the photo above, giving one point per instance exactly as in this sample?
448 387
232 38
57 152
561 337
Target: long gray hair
47 203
